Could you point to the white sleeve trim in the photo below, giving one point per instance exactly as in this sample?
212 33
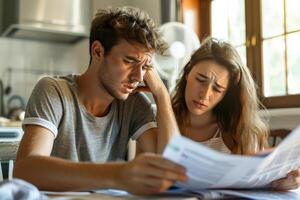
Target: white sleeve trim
41 122
144 128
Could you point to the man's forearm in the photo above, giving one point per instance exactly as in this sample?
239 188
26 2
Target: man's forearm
166 122
55 174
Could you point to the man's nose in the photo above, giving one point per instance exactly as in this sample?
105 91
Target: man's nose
137 74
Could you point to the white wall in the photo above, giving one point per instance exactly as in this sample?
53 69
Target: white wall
287 118
152 7
103 4
30 59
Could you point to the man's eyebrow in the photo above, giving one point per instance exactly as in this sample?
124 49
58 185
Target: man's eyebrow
147 65
133 58
217 84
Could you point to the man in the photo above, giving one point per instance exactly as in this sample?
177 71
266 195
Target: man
75 124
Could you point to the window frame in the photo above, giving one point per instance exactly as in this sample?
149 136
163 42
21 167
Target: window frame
255 57
254 50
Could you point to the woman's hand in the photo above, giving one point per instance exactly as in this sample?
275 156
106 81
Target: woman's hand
290 182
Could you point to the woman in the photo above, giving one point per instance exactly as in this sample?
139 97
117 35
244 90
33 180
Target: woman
216 104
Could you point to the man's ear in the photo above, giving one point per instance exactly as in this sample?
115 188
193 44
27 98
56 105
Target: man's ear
97 50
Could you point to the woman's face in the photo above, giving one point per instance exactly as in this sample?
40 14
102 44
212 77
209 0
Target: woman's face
206 86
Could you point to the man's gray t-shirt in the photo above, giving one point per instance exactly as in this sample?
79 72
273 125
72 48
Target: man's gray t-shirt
79 136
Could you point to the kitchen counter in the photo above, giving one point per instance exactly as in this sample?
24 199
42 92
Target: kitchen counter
8 143
8 150
10 138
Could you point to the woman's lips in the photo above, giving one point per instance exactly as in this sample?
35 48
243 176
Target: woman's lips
199 104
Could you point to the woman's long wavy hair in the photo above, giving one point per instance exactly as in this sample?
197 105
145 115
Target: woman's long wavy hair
237 113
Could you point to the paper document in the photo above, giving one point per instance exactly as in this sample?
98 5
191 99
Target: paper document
225 194
207 168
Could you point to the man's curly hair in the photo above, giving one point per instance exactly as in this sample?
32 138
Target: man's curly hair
132 24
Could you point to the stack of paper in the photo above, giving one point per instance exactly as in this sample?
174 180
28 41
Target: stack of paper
209 169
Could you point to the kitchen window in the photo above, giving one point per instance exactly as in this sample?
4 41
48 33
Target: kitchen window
267 35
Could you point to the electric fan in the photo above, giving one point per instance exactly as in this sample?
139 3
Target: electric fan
182 42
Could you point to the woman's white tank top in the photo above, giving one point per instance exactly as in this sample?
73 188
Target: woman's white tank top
217 143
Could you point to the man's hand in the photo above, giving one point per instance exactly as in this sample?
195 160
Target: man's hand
290 182
150 174
153 83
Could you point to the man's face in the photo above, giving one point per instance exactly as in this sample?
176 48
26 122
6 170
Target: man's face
123 68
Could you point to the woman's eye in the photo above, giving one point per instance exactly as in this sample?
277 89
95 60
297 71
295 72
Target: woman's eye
217 90
200 80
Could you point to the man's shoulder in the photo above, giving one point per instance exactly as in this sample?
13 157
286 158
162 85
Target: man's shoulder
61 82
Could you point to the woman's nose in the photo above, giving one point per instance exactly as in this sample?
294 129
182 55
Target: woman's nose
205 92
